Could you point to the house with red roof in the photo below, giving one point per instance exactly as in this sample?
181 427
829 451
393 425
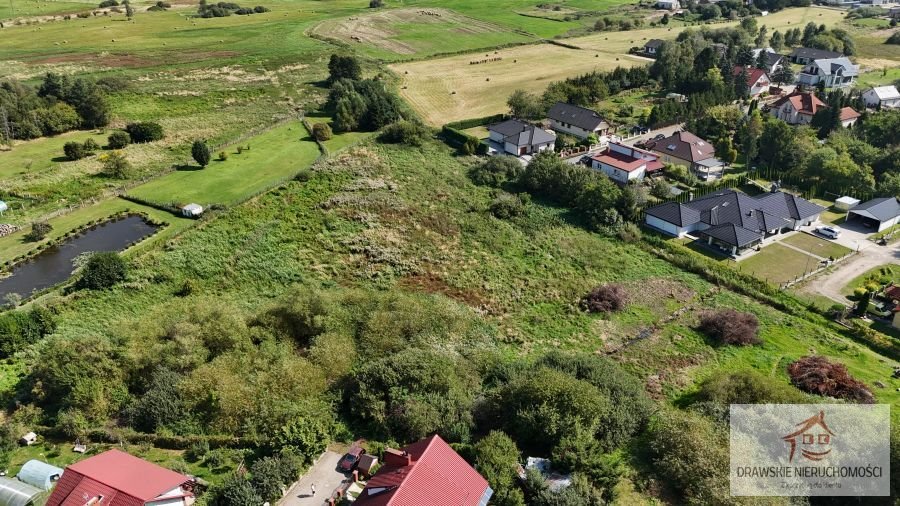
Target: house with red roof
849 117
425 472
115 478
798 108
757 79
623 163
686 149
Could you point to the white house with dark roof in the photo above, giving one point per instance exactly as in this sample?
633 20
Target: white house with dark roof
651 47
578 121
773 59
830 72
734 221
885 97
518 138
878 214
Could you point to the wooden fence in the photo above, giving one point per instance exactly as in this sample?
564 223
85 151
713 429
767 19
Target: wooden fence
807 275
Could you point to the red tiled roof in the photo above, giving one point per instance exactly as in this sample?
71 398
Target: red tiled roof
892 292
848 113
122 480
621 161
437 476
804 103
753 74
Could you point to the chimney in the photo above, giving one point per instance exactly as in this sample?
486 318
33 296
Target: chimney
397 458
714 216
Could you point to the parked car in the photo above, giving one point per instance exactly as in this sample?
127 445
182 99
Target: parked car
351 459
639 130
585 160
829 232
659 137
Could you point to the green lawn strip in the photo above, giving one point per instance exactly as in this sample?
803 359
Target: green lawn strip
14 245
27 159
878 77
817 246
480 132
18 8
778 264
274 155
887 273
830 215
337 141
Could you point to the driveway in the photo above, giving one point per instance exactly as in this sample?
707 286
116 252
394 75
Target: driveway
324 475
831 284
667 131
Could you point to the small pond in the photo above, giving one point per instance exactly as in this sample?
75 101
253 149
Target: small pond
54 265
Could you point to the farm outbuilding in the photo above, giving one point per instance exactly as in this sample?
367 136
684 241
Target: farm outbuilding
878 214
39 474
845 203
192 210
15 493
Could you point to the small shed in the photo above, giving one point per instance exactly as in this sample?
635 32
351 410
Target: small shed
192 210
15 493
366 463
845 203
39 474
28 439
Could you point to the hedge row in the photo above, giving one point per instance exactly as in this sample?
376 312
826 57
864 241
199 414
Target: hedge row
168 442
169 208
476 122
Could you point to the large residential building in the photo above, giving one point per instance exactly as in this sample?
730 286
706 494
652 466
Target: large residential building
798 108
516 137
829 72
426 472
804 55
577 121
884 97
757 79
623 163
734 221
115 478
686 149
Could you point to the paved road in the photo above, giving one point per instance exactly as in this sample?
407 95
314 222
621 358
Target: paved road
325 477
832 283
667 131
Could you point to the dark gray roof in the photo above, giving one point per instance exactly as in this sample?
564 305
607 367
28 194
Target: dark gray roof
581 117
881 209
815 54
773 59
520 133
732 234
653 43
753 215
509 127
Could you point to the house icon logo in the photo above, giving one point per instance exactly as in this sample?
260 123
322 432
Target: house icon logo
813 437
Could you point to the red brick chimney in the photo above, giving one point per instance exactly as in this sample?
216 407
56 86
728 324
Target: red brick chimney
397 458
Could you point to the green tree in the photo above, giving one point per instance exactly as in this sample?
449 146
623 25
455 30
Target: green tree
661 189
305 435
889 184
321 132
58 118
343 67
761 37
129 10
349 111
776 41
497 459
39 231
784 74
103 270
115 165
118 140
266 477
200 152
235 491
524 105
750 133
161 405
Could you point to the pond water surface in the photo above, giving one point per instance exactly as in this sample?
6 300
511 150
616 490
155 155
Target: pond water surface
54 265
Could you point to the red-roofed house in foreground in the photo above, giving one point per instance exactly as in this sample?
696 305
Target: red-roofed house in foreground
757 79
115 478
624 163
426 472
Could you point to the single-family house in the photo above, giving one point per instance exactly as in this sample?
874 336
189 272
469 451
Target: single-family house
882 97
115 478
878 214
829 72
804 55
773 59
425 472
757 79
517 138
894 13
849 117
798 108
686 149
734 221
578 121
652 46
623 163
670 5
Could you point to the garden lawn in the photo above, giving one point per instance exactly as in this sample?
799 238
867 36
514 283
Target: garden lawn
28 158
879 77
816 245
777 264
338 141
888 273
274 156
830 215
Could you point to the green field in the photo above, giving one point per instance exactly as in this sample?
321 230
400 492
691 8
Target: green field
816 245
778 264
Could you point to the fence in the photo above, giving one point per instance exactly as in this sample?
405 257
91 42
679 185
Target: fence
807 275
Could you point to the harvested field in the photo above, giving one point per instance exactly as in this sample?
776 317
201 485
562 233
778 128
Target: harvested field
451 89
397 32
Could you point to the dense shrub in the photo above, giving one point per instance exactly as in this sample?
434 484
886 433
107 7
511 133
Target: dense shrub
305 436
19 328
115 165
506 206
56 119
374 4
200 153
269 475
103 270
75 150
728 326
118 140
363 104
147 131
322 132
234 491
343 67
747 387
605 298
496 170
410 133
39 231
90 145
497 459
893 39
161 405
108 3
817 375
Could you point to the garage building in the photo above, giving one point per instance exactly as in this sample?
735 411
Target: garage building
877 214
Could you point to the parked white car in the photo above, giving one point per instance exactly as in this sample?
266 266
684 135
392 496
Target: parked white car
829 232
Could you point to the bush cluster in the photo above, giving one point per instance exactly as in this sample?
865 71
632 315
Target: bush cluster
410 133
147 131
605 299
60 104
118 140
78 150
496 170
103 270
222 9
728 326
20 328
507 205
363 105
817 375
39 231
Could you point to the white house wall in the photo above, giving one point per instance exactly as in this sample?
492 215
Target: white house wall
569 129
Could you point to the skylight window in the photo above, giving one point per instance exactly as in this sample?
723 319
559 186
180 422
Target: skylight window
671 147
